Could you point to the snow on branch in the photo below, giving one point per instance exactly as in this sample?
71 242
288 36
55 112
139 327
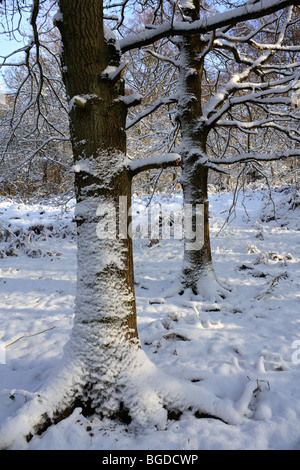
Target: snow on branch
113 73
161 161
220 34
205 25
276 47
172 61
80 101
270 123
235 84
273 96
131 100
261 157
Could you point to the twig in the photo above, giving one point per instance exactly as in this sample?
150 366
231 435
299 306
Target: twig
28 336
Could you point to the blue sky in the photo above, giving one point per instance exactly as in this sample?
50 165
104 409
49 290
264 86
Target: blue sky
6 47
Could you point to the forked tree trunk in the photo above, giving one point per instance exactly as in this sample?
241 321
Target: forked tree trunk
105 331
198 272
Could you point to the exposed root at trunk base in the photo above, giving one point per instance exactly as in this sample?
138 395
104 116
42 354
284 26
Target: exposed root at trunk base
205 289
175 415
122 417
208 291
203 283
146 398
46 421
87 410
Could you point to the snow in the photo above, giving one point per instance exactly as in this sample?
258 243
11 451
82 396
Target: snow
130 100
80 101
205 25
187 4
165 158
109 34
58 17
239 356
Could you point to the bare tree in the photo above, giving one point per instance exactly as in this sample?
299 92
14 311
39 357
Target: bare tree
104 369
247 77
34 125
234 83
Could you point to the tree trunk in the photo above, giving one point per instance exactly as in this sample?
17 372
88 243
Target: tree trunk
105 331
198 272
197 262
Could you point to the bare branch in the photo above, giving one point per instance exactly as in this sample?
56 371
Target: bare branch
203 26
157 104
261 157
152 163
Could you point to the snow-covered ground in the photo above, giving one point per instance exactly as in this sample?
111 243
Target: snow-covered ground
251 335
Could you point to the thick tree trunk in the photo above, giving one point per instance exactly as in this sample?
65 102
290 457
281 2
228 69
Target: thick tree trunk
105 331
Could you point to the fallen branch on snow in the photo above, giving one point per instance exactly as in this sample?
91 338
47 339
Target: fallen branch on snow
28 336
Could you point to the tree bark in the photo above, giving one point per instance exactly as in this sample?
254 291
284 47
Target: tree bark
198 272
105 329
197 261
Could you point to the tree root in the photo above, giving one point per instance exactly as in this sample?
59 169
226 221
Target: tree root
147 398
46 421
206 289
54 402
